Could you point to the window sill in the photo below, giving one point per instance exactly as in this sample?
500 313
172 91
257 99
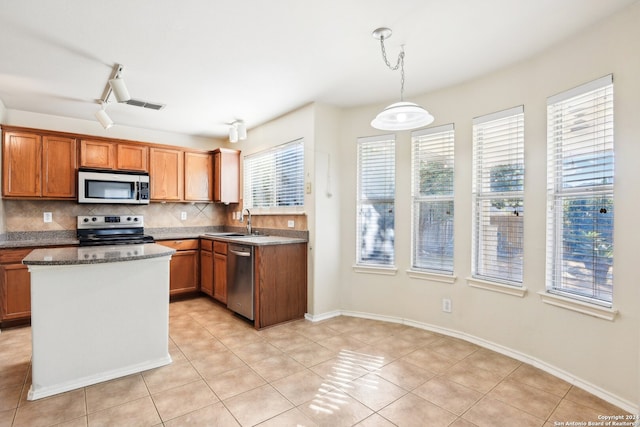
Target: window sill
378 269
594 310
516 291
434 277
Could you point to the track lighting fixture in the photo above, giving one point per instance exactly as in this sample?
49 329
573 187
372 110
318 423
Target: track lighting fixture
237 131
400 115
119 89
103 117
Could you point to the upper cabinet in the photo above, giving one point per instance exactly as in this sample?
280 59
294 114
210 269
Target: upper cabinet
38 166
226 182
113 155
198 177
166 173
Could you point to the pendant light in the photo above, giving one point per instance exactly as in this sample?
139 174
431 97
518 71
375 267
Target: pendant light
400 115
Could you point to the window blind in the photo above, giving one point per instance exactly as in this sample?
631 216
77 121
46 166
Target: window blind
580 178
498 196
274 178
432 160
376 170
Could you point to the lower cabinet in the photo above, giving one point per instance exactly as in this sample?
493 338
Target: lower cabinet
280 280
184 277
206 266
15 286
220 271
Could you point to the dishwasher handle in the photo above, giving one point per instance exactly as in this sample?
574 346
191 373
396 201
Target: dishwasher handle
246 254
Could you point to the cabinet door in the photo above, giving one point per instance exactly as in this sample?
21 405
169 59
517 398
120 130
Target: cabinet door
198 177
220 277
59 165
132 157
97 154
166 174
22 164
206 272
15 282
226 185
183 272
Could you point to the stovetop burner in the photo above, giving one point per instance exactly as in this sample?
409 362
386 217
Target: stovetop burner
98 230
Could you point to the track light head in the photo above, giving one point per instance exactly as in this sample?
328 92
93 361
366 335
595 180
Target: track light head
233 133
119 89
237 131
104 118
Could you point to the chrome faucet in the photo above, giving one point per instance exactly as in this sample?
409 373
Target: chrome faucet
248 220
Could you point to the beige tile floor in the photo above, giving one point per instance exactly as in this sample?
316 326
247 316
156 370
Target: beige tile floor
341 372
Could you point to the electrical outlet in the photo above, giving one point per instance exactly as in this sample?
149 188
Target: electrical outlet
183 215
308 187
291 223
446 305
47 217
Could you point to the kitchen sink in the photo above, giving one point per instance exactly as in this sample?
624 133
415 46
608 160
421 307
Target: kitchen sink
232 234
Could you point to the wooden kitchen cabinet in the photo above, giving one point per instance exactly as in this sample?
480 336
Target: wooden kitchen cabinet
15 286
97 154
280 281
220 271
132 157
166 172
198 177
59 167
38 166
226 180
206 266
114 155
184 277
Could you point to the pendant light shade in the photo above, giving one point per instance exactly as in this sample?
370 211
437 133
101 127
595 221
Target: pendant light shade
402 116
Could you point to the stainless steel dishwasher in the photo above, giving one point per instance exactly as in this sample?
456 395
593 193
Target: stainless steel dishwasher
240 279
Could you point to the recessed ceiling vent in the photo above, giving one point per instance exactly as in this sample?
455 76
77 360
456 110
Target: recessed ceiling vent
144 104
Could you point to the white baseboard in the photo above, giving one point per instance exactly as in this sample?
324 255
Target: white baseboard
40 392
522 357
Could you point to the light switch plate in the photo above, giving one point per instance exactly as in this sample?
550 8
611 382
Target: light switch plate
291 223
47 217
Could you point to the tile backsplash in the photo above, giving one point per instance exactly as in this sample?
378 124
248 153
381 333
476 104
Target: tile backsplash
27 215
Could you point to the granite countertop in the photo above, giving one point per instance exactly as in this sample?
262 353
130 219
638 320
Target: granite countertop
254 240
95 254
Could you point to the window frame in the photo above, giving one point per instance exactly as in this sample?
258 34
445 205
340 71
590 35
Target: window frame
298 167
487 150
387 143
440 139
558 191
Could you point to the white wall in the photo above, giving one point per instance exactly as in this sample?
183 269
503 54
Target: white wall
599 355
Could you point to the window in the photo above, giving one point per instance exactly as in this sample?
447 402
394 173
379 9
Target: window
498 196
274 178
376 200
432 195
580 192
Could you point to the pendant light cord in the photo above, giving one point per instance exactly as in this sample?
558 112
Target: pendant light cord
399 64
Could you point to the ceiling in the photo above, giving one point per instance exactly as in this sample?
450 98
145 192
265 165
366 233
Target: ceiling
214 61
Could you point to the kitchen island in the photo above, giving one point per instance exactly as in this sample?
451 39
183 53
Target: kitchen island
97 313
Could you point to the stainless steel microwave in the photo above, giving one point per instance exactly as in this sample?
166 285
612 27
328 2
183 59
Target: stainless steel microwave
98 186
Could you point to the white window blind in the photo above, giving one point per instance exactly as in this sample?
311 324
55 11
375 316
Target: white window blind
580 171
498 196
432 195
376 200
274 178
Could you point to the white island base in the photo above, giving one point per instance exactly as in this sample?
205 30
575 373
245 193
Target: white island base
95 322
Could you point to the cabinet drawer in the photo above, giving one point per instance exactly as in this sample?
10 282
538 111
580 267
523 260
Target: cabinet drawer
180 245
206 245
11 256
220 247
